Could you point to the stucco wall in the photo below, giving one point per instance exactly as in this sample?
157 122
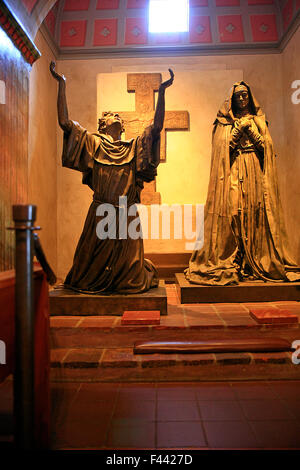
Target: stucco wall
42 151
291 151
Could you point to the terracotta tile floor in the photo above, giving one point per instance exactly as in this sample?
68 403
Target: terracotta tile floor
200 415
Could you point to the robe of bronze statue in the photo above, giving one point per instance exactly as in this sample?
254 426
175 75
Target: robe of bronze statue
112 168
244 232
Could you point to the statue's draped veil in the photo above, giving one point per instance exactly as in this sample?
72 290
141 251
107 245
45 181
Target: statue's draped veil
215 263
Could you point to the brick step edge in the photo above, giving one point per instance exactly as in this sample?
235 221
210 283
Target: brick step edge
87 358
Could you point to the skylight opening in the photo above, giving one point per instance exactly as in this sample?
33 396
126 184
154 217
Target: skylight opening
168 16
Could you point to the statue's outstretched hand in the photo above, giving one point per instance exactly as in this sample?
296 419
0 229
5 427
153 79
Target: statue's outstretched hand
56 75
167 83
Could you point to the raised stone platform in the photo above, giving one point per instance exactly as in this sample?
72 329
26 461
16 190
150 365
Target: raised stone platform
100 348
256 291
67 302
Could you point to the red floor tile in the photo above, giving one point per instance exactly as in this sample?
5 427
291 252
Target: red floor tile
277 434
173 320
175 392
287 303
141 317
62 322
294 407
74 434
175 310
260 305
220 410
141 435
195 309
197 318
235 315
58 355
62 396
94 392
98 322
89 412
134 409
232 309
288 389
214 391
230 434
138 392
265 410
180 434
177 411
204 323
252 390
235 415
273 315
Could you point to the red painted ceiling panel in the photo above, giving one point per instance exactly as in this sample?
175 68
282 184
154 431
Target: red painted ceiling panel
136 31
200 29
105 32
260 2
72 33
227 3
76 5
287 13
107 4
231 28
137 3
76 15
264 28
50 22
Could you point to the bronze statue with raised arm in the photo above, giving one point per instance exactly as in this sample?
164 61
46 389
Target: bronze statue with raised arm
244 231
113 169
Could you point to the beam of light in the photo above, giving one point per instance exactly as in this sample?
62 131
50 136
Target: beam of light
168 16
7 46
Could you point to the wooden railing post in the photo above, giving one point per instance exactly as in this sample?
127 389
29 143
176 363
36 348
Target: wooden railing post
24 217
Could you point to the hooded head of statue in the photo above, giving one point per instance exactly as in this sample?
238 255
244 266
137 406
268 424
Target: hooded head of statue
240 100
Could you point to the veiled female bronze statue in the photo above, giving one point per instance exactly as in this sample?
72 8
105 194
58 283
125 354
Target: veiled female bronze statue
244 232
112 168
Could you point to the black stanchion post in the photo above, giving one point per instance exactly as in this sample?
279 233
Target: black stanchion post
24 217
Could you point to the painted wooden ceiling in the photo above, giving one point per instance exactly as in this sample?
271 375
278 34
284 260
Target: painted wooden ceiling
102 26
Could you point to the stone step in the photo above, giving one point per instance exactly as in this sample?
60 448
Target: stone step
80 332
183 322
100 348
121 364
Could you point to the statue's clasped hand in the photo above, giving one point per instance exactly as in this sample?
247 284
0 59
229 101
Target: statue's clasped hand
244 124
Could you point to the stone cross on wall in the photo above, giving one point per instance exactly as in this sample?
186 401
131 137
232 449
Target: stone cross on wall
144 85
